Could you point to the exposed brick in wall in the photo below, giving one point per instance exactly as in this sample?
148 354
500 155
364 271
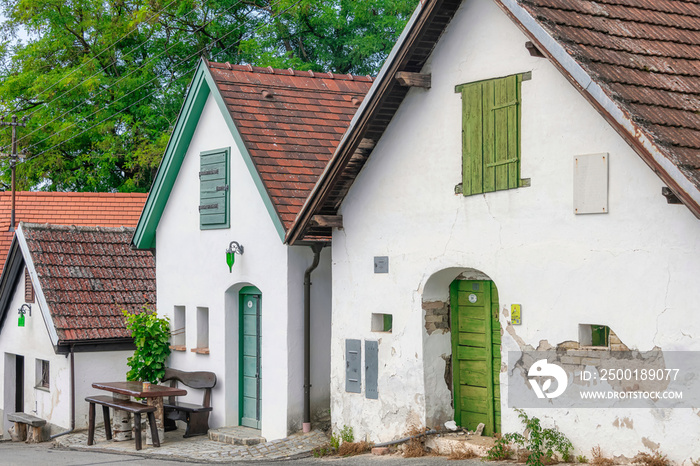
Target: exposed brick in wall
437 316
616 344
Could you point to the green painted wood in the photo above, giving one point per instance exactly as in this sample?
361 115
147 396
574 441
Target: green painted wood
476 354
471 140
464 298
214 175
513 94
472 339
469 312
250 340
500 115
454 313
490 135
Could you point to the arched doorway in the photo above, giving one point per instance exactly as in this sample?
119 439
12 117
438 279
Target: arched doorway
461 349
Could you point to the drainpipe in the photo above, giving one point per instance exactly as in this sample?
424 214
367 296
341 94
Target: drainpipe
72 397
306 426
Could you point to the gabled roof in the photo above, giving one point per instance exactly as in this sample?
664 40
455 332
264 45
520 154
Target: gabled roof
89 209
86 276
286 125
636 61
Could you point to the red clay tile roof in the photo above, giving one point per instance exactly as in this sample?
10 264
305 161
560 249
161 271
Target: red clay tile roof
290 122
88 209
88 276
645 54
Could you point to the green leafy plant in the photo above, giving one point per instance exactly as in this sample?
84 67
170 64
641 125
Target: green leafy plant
540 443
151 336
335 441
500 451
347 435
582 459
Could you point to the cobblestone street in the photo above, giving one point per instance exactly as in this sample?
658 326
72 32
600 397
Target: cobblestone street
201 449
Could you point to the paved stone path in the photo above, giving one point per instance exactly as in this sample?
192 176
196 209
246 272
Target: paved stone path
201 449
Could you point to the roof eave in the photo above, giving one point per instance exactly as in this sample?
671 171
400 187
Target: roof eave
351 137
8 279
635 136
185 126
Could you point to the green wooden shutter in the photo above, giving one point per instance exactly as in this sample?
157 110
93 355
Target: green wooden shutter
490 135
214 190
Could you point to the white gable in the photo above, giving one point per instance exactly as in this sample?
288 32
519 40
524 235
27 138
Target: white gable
632 269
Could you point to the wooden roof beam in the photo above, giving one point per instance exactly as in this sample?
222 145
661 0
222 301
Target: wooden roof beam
333 221
408 79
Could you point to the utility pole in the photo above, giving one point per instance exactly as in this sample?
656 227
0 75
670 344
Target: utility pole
13 160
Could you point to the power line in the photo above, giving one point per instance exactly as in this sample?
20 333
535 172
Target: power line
134 90
118 80
36 97
149 95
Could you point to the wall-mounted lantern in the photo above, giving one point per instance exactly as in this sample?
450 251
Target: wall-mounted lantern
26 308
233 249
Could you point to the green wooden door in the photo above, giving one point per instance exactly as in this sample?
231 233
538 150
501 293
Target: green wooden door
476 354
250 344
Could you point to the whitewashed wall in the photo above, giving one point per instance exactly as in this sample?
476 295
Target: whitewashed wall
634 269
32 341
192 272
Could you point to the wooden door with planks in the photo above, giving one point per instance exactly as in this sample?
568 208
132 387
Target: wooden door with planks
476 354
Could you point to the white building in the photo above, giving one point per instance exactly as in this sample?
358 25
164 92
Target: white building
73 284
505 154
247 148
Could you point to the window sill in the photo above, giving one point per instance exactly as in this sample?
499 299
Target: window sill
178 347
200 350
594 348
43 389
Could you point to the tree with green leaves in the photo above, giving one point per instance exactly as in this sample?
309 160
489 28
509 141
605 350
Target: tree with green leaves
102 82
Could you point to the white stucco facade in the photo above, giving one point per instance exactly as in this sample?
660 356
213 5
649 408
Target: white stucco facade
633 269
33 343
192 274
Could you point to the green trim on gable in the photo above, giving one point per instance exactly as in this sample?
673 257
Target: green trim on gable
202 85
246 157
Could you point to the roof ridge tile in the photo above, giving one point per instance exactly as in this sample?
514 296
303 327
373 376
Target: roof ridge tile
288 72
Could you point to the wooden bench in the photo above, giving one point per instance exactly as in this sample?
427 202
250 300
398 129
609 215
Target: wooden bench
125 405
22 420
196 416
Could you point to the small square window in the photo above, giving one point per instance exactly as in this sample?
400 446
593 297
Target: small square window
42 374
594 335
382 322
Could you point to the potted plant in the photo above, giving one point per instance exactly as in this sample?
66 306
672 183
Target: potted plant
151 336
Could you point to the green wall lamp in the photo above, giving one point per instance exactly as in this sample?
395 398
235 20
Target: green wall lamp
233 249
26 308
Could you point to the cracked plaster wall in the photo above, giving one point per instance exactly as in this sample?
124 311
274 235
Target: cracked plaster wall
634 269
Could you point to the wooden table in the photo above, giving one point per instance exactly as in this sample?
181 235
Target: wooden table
153 395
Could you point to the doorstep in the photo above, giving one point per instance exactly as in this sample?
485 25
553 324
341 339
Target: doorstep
236 435
457 442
